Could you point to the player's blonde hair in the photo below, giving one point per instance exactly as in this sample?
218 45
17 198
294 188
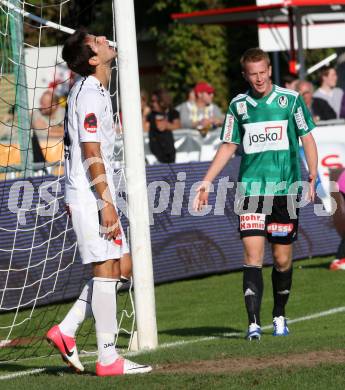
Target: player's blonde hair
254 54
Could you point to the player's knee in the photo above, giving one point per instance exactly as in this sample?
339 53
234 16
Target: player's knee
254 258
282 263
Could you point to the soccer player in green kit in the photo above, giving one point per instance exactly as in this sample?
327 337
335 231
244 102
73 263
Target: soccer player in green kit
268 121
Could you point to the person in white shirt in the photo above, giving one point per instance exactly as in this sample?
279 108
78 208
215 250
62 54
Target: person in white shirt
327 99
90 195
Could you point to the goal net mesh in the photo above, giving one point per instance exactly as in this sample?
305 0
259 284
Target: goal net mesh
40 269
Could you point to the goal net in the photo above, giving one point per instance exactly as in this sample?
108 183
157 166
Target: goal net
40 269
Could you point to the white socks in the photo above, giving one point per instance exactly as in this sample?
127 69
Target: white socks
80 311
103 305
98 298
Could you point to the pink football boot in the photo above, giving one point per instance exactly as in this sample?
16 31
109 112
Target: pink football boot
66 346
121 366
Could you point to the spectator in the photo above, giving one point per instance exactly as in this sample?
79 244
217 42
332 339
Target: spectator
8 125
342 108
162 121
49 117
289 81
203 114
339 217
47 121
306 90
327 99
189 103
145 109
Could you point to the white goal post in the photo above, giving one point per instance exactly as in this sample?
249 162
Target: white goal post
138 211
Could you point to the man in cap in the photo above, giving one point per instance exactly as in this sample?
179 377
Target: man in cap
203 114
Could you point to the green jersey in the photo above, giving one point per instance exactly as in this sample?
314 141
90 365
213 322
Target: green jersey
269 129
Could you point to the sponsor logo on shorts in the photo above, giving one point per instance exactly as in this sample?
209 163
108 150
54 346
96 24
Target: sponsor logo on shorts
264 136
279 229
283 101
241 108
252 221
228 127
90 123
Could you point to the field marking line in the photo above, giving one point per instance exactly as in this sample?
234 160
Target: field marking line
22 373
325 313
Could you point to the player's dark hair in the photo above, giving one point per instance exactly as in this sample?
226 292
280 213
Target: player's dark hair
255 54
77 53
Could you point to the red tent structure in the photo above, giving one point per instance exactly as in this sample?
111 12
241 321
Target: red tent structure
291 13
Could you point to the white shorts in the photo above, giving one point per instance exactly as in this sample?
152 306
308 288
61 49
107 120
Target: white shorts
93 247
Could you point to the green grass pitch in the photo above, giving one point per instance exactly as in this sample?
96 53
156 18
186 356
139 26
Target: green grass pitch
202 324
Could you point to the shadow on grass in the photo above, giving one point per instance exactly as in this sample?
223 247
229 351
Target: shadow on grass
315 266
205 331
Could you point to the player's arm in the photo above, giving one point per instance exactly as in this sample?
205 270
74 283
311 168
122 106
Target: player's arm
93 158
223 155
231 137
304 125
90 109
310 152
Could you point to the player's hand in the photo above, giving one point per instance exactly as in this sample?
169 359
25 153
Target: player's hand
311 191
201 197
110 221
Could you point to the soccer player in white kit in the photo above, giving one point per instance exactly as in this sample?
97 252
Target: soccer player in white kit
90 196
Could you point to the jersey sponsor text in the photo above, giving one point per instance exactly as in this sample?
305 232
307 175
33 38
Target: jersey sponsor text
228 127
300 120
265 136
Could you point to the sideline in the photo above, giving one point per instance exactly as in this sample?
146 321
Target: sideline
325 313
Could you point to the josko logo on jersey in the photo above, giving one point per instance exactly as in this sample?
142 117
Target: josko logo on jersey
283 101
265 136
272 133
90 123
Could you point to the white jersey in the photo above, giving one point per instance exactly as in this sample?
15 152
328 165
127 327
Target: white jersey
89 118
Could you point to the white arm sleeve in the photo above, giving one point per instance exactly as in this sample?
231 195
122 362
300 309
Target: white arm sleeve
90 112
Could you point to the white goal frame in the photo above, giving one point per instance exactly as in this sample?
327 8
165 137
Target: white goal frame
138 211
